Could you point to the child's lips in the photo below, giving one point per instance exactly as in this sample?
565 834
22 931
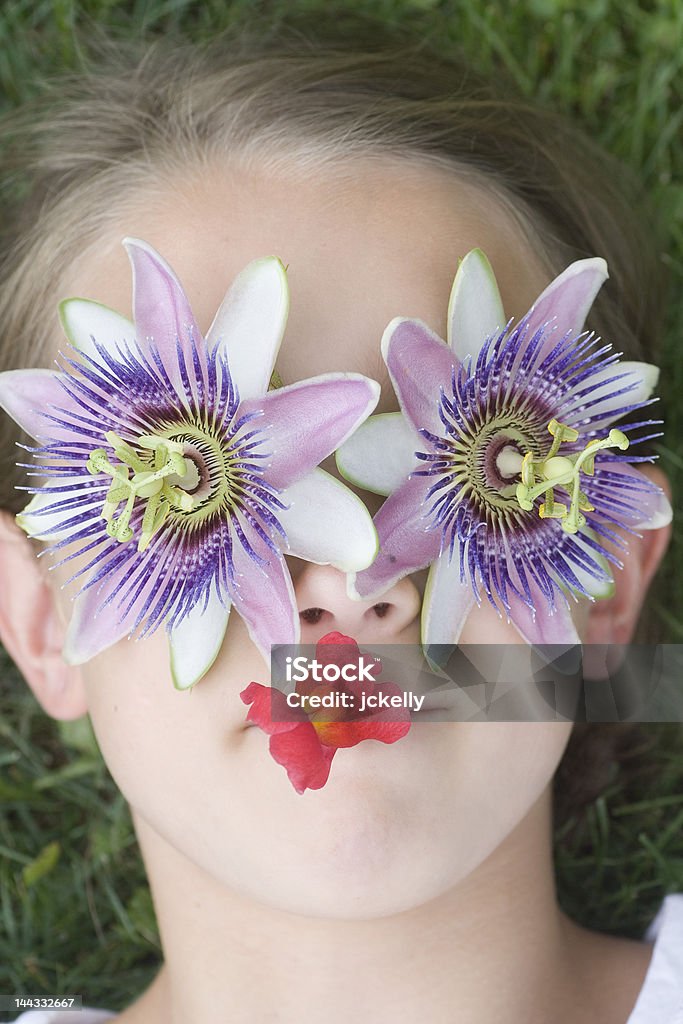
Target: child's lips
437 704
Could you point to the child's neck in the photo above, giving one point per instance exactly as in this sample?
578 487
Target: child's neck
494 949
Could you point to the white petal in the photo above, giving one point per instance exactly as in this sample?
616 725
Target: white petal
447 602
250 324
596 588
475 308
326 523
42 525
624 482
196 640
380 455
84 320
641 378
660 516
659 512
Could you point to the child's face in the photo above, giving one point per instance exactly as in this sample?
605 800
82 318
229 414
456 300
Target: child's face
421 814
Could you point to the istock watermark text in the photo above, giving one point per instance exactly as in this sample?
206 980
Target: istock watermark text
301 669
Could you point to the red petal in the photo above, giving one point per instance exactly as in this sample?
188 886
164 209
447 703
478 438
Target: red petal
338 649
337 638
387 730
305 759
269 709
306 748
348 734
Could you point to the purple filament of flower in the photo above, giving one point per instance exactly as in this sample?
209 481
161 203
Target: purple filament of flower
507 397
130 393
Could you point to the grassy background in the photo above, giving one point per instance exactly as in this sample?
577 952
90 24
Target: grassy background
75 914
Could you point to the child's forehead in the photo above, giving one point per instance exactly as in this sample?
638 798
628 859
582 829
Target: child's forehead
363 243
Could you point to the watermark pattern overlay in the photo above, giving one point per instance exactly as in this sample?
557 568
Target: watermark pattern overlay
483 682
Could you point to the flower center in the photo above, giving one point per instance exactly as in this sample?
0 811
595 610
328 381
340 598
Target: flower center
563 471
161 478
188 474
225 466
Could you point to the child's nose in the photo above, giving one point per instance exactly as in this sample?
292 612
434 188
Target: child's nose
324 607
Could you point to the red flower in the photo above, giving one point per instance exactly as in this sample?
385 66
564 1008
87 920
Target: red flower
305 741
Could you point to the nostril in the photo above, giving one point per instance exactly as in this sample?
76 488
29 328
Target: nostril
312 615
324 605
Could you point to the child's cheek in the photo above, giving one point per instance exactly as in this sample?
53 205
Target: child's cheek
160 742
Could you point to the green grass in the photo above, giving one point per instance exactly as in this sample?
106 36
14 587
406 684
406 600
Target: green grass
616 861
74 910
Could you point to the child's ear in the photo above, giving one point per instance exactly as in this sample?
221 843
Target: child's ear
31 627
614 619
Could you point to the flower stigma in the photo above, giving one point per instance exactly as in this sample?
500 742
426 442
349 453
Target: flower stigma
563 471
161 479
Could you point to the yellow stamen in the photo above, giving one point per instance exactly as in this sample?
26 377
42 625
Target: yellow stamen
149 483
542 476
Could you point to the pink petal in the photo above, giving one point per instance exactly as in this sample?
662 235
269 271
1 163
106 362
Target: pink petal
27 394
304 757
419 364
543 626
566 301
264 597
405 543
92 628
161 310
308 420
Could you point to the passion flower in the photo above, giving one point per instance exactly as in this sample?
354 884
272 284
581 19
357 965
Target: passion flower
173 474
504 471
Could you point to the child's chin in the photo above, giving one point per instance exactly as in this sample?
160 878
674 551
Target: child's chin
351 885
374 841
352 902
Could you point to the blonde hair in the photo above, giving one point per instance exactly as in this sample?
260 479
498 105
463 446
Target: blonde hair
96 140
